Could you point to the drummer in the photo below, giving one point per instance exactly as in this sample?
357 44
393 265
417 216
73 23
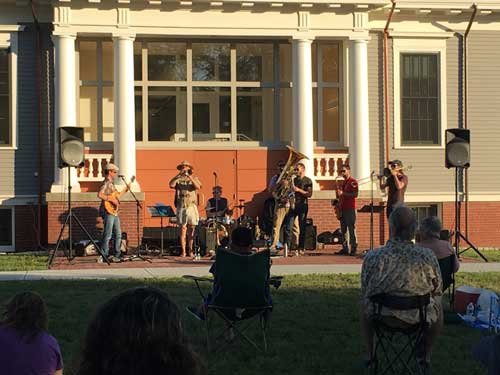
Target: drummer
217 205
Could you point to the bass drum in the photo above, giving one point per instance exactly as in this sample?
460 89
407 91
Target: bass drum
213 235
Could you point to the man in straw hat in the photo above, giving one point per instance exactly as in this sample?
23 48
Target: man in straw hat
108 193
185 185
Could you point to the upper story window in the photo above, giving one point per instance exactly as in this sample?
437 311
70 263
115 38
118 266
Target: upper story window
419 93
219 91
5 113
419 99
96 104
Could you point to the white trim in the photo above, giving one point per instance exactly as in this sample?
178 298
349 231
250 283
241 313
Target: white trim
12 247
9 40
450 197
424 46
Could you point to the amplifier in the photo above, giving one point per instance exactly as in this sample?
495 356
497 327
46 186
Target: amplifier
310 237
170 234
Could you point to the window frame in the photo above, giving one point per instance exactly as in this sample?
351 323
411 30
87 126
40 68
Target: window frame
416 46
8 40
12 246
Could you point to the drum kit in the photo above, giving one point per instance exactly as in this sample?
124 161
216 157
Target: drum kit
217 230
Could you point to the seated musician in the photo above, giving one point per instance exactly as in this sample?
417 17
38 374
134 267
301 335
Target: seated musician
217 205
241 243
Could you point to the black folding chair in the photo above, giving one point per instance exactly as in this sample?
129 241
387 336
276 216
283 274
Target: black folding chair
398 345
242 283
446 265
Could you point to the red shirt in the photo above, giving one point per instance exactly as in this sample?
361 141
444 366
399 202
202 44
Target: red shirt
349 186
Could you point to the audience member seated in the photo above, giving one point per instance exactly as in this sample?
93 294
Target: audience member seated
429 231
487 352
241 243
403 269
137 332
25 346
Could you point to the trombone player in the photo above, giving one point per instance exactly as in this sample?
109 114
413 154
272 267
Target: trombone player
396 184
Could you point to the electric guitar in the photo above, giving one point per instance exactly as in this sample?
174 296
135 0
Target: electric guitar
112 208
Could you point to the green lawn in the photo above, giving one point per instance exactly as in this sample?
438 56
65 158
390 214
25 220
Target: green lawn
314 327
22 262
493 255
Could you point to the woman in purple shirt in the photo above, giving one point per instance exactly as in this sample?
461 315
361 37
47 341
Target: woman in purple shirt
26 347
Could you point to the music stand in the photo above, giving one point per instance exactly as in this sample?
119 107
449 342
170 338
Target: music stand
161 210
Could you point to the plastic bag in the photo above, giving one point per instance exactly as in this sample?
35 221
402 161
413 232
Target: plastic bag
487 306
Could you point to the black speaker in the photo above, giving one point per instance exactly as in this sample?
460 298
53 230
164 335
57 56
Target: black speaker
71 147
310 237
457 151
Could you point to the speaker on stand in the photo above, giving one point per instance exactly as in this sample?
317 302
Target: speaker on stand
71 154
457 155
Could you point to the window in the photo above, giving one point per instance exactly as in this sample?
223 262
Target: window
6 228
96 104
419 92
419 99
223 91
327 73
423 211
204 91
5 115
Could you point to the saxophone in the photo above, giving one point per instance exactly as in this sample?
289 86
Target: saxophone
285 188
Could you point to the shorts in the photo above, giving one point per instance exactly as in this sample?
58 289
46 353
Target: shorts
188 215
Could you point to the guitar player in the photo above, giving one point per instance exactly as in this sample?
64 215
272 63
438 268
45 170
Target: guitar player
109 193
347 191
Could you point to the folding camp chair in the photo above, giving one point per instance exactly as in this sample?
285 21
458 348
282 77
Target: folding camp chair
446 266
397 343
240 292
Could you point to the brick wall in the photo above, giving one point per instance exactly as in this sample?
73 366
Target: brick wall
88 213
484 221
26 234
321 211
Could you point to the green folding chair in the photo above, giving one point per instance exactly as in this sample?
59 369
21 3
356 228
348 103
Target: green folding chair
240 293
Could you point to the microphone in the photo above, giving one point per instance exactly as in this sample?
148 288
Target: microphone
121 175
215 174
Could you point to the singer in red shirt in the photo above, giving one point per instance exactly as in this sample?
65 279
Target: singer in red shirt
347 193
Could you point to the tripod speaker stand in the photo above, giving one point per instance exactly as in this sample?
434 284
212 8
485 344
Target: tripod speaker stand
68 222
458 234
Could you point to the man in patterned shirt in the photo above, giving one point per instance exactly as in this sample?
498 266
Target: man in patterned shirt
401 268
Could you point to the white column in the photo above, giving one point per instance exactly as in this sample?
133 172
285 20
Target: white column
65 104
359 131
124 132
303 132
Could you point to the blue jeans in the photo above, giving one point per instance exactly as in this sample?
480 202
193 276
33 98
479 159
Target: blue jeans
301 212
111 229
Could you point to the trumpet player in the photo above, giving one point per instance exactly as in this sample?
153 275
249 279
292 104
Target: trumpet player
185 185
396 184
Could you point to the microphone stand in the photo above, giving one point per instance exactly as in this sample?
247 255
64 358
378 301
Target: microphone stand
138 207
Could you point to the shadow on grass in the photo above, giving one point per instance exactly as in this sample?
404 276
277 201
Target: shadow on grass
314 328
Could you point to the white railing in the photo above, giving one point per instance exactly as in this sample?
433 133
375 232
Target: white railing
93 167
327 166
